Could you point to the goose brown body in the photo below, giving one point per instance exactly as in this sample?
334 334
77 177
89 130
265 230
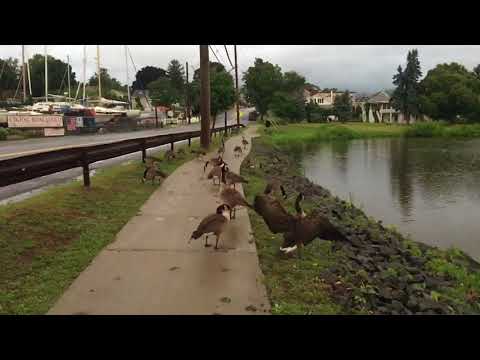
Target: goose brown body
213 224
273 213
234 199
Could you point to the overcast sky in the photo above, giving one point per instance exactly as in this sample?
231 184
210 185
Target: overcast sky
362 68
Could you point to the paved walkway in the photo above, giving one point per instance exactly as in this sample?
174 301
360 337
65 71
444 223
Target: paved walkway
150 268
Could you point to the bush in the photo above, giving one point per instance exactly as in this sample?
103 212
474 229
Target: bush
3 133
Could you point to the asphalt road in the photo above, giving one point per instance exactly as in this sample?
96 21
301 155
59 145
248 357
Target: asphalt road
12 149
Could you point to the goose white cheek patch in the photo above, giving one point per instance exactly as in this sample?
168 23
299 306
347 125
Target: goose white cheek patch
289 249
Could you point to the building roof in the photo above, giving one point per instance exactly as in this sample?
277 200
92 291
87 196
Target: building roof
380 97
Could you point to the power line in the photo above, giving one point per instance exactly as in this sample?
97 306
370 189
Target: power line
215 55
228 56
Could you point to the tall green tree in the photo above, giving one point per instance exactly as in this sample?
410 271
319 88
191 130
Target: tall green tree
9 76
146 75
176 73
108 83
57 75
163 92
405 97
343 106
288 102
262 80
449 91
222 91
476 71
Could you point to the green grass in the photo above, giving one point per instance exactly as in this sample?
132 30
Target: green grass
46 241
294 286
305 134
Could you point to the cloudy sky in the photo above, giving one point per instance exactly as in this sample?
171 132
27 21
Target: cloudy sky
362 68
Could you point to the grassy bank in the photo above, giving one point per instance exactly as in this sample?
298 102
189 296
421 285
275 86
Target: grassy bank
376 271
48 240
308 134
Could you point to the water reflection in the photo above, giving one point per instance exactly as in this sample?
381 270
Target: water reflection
428 187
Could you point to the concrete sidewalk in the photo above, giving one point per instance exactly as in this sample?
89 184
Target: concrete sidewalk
150 268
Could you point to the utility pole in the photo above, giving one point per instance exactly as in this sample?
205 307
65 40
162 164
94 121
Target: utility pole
236 84
68 69
128 79
204 96
84 71
98 73
46 74
187 99
23 75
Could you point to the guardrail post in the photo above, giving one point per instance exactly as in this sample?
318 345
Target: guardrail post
189 141
171 146
144 152
86 171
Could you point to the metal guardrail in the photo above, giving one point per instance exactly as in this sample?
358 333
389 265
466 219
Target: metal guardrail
23 168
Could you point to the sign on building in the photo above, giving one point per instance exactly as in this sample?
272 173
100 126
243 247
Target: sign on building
35 121
54 131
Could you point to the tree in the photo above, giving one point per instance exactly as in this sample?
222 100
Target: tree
288 102
108 83
343 106
476 71
163 92
176 73
9 76
286 106
146 75
261 82
57 75
450 91
214 68
405 97
222 93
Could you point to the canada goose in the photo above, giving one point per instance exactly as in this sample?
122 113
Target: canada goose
231 178
221 149
216 172
237 151
216 161
308 228
233 198
213 224
273 213
169 155
151 172
244 142
275 186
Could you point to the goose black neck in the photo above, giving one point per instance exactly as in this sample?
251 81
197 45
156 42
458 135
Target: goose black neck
298 208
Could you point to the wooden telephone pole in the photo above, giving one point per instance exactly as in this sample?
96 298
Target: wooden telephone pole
23 75
187 99
204 97
236 84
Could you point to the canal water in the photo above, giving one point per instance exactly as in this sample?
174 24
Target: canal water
428 188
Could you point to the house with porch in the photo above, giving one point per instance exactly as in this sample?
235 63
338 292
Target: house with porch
378 109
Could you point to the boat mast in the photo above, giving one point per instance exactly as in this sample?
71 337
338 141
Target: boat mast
84 70
68 70
128 80
29 78
23 75
98 73
46 75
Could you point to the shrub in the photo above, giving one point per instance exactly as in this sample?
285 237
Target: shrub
3 133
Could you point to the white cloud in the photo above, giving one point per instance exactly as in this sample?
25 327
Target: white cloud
356 67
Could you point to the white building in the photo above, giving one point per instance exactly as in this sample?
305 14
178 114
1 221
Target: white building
323 98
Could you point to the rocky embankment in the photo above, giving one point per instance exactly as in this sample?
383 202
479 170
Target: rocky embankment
381 271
